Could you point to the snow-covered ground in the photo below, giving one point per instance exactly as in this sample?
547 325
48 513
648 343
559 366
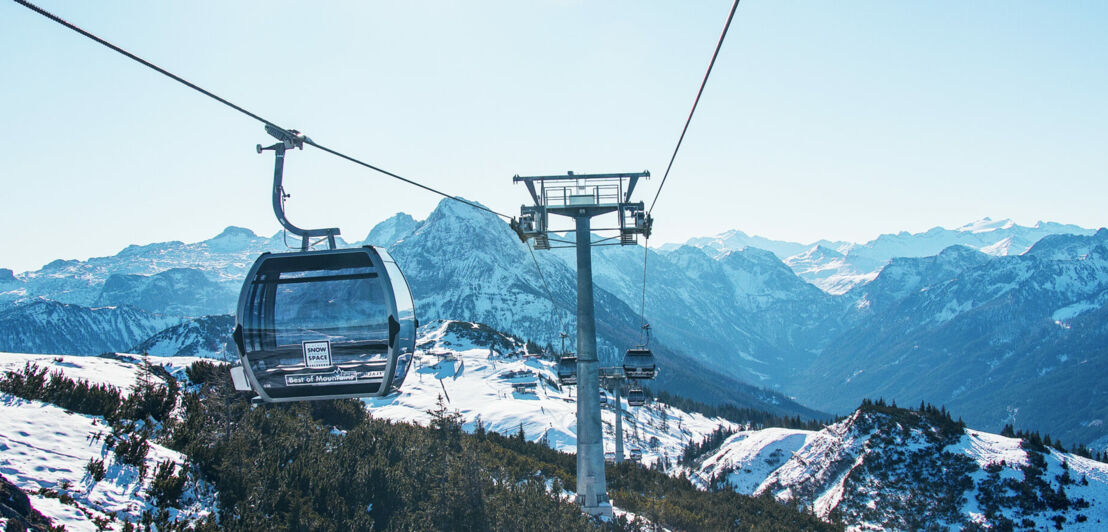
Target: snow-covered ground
812 467
44 446
748 457
120 372
475 381
986 449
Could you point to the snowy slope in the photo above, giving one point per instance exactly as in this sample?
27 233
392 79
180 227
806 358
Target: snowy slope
893 471
478 382
120 371
875 469
747 458
473 365
46 447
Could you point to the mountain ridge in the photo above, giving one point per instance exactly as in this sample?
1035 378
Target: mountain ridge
737 320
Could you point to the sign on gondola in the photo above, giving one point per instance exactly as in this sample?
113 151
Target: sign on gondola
322 378
317 354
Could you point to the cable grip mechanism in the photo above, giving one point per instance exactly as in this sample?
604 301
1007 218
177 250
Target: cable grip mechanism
288 139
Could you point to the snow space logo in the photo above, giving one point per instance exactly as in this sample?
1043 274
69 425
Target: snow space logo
317 354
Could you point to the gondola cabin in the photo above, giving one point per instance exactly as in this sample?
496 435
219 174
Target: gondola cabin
326 324
636 397
603 397
638 363
525 388
567 370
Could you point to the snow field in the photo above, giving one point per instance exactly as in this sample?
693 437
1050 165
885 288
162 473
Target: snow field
475 381
749 457
986 448
96 370
786 462
43 446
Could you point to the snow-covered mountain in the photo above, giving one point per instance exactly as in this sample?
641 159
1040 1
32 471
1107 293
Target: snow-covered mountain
1002 237
902 277
734 240
223 261
1018 339
721 318
884 468
464 263
391 231
836 267
53 327
743 313
162 293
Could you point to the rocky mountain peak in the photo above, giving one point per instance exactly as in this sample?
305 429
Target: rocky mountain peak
232 231
391 230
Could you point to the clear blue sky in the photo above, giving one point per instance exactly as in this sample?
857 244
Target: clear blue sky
837 120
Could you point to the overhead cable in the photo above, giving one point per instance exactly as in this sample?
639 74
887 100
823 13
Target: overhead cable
685 129
554 308
240 109
642 309
703 83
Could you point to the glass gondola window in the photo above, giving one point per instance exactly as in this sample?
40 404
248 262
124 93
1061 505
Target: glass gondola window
339 310
405 310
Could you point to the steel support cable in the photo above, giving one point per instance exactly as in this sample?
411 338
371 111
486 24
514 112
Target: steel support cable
554 309
673 157
642 309
404 179
688 120
240 109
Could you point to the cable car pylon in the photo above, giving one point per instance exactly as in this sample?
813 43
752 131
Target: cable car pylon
582 197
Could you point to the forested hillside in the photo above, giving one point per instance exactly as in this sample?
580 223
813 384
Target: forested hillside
329 465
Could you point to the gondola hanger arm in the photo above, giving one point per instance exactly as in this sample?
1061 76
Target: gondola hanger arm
291 139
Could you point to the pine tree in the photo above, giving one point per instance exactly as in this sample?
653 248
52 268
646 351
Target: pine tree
444 421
